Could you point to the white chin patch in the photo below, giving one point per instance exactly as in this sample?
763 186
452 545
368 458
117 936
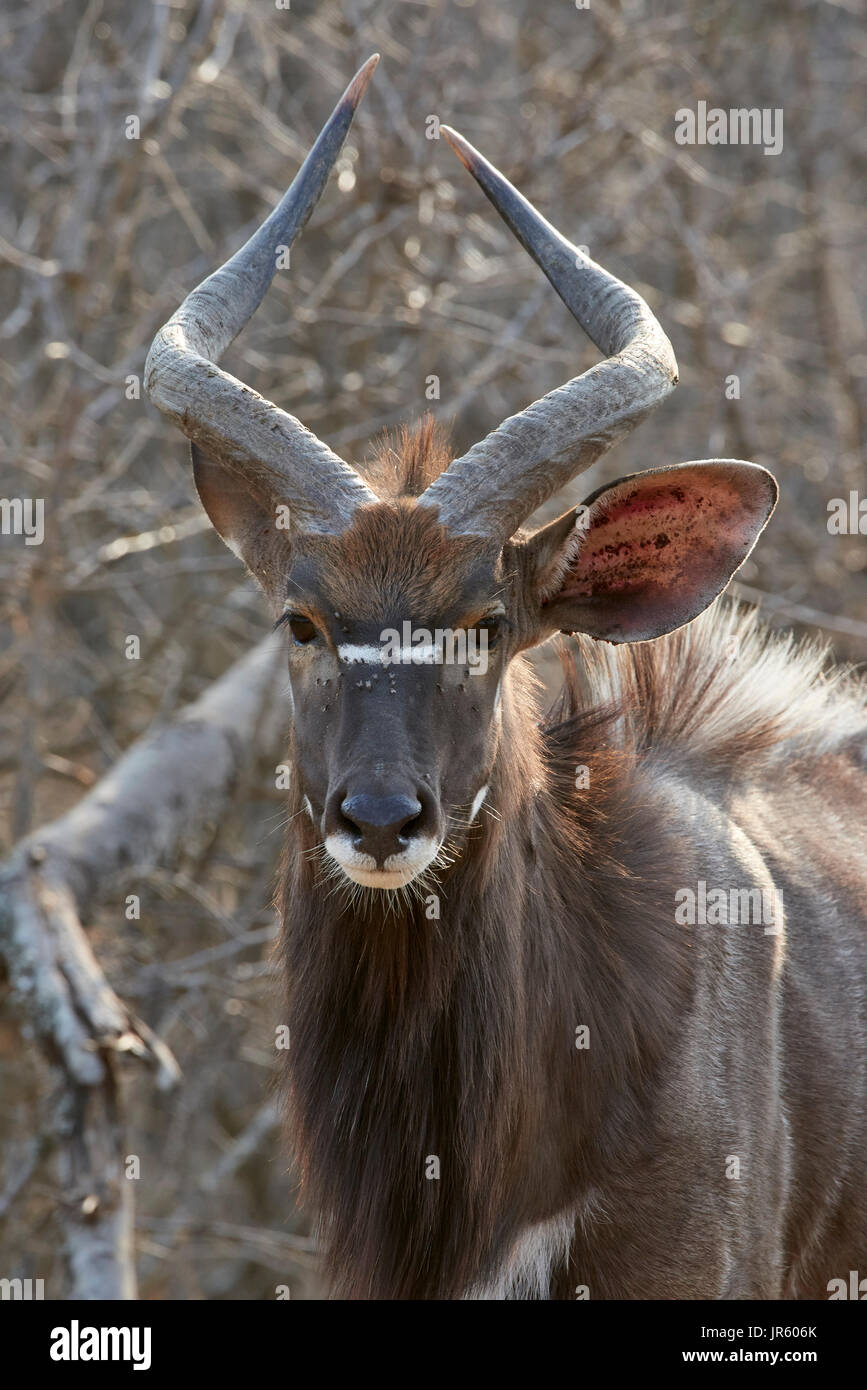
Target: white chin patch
398 870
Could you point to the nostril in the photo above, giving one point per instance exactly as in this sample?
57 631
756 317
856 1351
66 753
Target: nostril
410 827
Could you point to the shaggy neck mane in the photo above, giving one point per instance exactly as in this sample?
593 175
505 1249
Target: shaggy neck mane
420 1040
434 1032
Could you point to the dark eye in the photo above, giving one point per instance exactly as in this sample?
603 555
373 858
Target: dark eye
493 627
301 628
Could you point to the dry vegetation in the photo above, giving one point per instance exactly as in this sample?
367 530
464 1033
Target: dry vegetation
755 265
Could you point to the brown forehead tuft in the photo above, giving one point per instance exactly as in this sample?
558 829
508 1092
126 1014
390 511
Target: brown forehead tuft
396 556
404 464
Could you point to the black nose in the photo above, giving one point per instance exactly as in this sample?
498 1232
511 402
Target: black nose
381 825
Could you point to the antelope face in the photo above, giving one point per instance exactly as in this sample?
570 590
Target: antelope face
396 674
402 616
400 636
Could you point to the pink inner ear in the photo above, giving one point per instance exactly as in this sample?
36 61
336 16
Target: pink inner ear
667 534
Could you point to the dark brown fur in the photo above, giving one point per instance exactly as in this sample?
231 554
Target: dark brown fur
454 1037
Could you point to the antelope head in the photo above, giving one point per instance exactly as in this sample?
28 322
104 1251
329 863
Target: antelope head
395 734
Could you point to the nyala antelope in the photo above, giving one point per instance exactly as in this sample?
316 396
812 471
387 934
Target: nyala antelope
513 1071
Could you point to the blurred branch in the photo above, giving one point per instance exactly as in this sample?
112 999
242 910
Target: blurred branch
797 612
164 788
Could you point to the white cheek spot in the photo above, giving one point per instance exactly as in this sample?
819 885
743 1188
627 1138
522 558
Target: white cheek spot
309 809
477 803
499 696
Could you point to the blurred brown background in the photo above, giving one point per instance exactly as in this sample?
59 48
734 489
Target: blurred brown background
754 263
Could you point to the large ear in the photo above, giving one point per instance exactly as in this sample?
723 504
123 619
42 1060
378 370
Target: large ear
246 519
650 552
